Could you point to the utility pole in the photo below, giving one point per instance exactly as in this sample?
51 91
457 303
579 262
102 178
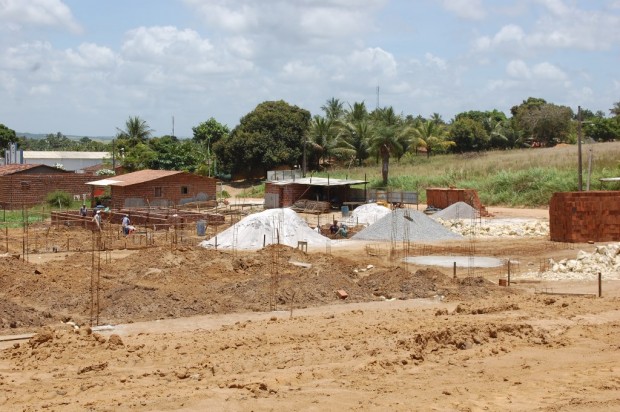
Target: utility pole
303 164
579 166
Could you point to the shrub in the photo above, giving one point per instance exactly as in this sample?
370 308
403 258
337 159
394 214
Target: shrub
58 198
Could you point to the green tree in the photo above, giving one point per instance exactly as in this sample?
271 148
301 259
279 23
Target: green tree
615 110
271 135
602 130
334 109
354 139
389 138
468 135
7 136
430 135
136 131
210 132
356 113
173 154
322 139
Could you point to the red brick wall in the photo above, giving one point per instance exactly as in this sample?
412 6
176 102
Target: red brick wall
442 198
170 190
30 189
585 216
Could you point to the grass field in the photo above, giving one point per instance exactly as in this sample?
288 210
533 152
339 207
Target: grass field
519 178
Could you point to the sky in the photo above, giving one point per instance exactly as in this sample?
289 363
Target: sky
82 67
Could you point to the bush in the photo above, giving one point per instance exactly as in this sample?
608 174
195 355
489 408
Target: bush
58 198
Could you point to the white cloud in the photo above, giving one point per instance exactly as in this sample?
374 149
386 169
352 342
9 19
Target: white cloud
466 9
89 55
435 61
374 60
53 13
565 28
548 71
518 69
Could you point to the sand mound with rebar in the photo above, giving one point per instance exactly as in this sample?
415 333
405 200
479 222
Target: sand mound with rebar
269 227
406 224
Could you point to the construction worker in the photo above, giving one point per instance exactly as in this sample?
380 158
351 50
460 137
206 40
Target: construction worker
97 219
125 224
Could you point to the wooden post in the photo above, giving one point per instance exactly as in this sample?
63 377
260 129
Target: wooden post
508 283
600 285
454 270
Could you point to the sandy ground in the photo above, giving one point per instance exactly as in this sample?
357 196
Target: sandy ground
191 329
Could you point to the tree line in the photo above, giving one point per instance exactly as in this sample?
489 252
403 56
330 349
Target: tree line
277 134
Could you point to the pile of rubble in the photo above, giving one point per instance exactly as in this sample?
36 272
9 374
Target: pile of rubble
497 227
604 260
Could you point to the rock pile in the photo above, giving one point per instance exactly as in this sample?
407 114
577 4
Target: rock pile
458 210
587 266
497 227
406 224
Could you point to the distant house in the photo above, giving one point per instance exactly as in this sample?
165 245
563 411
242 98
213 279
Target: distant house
29 184
68 160
156 188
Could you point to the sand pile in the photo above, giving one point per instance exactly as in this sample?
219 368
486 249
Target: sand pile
367 214
267 227
406 224
458 210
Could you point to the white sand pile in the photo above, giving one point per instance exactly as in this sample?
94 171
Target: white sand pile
250 232
604 260
367 214
406 224
458 210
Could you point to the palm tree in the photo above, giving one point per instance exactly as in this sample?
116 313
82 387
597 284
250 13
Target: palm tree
354 140
388 138
431 136
334 109
357 112
322 137
615 110
136 131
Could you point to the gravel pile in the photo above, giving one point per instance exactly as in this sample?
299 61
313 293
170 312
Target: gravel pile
406 224
367 214
250 232
604 259
458 210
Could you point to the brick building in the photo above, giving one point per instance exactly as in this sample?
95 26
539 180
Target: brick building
29 184
577 217
284 193
155 188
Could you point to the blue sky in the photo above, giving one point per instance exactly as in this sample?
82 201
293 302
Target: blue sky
82 67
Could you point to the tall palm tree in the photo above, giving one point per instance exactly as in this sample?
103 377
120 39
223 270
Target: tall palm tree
136 131
357 112
334 109
388 138
354 140
322 137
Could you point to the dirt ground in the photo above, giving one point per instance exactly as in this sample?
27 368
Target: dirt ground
185 328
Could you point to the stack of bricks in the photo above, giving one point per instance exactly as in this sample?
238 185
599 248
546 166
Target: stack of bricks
577 217
442 198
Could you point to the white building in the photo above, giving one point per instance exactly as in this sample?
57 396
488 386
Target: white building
68 160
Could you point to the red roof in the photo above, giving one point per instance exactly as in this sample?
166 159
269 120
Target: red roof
16 168
140 176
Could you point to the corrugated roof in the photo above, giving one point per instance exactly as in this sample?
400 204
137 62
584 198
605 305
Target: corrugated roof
318 181
37 154
129 179
16 168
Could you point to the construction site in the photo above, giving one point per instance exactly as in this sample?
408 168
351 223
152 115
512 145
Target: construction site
262 304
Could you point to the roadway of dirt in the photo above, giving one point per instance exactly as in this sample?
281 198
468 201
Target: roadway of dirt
196 329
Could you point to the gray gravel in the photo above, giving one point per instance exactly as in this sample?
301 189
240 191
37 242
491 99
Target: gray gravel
406 224
458 210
